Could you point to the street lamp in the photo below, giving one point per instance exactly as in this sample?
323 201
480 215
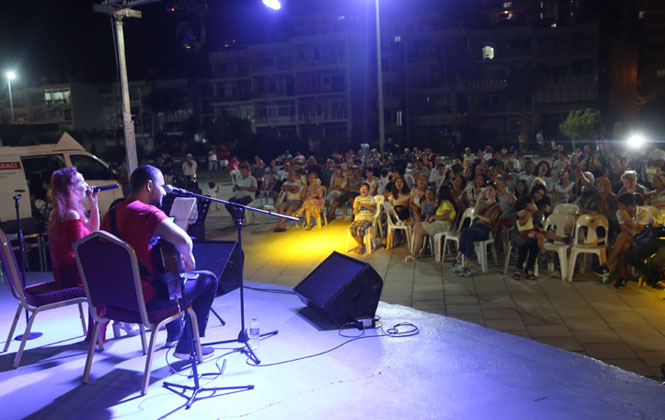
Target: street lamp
273 4
379 77
11 75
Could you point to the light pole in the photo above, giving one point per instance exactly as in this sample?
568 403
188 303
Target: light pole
10 76
379 77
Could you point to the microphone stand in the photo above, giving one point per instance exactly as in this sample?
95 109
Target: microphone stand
17 198
239 210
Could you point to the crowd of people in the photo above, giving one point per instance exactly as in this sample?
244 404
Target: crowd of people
510 193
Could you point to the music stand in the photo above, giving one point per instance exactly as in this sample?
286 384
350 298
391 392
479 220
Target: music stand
239 210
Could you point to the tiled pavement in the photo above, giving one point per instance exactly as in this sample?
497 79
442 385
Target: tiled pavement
625 328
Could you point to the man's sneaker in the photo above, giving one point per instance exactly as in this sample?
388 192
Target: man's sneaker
206 352
601 270
465 273
620 283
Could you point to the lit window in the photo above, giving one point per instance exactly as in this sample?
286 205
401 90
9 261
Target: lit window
488 52
553 25
399 118
541 16
397 39
641 14
542 4
507 4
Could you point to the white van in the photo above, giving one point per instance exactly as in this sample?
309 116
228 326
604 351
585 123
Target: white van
26 169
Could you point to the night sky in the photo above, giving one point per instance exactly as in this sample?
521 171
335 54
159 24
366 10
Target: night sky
57 40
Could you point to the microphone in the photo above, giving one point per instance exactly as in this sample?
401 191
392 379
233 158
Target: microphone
170 189
105 188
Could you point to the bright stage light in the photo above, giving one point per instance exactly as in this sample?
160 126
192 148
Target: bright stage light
273 4
10 75
636 141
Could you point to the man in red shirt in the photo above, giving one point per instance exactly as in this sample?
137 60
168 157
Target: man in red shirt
138 219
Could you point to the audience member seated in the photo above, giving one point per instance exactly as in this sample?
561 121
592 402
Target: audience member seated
630 185
372 181
400 199
418 196
656 197
350 192
473 190
244 189
487 212
529 228
632 220
605 203
649 260
292 187
527 248
364 207
441 221
312 200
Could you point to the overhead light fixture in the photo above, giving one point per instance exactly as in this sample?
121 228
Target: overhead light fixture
273 4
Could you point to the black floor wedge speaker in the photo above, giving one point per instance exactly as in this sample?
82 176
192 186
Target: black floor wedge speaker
224 259
342 289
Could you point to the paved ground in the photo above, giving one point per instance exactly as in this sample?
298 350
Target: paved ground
625 328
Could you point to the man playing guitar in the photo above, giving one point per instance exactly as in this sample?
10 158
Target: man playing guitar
137 220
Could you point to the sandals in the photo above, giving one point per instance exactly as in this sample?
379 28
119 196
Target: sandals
530 275
409 258
517 274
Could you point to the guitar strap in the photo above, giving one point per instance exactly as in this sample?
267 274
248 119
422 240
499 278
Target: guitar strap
143 270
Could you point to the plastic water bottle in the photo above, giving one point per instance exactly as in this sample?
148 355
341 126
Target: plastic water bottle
254 334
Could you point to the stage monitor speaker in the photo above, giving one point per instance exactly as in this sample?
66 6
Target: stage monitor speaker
342 289
224 259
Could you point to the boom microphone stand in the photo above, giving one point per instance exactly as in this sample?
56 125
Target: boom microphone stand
17 198
243 336
196 389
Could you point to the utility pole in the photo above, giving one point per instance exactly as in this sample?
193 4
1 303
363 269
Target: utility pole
118 15
379 77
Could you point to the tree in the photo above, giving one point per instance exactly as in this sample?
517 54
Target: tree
581 124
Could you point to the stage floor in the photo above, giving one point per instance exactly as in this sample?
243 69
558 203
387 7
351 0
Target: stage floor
452 369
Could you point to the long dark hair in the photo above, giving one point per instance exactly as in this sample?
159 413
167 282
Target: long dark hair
519 195
405 190
446 194
65 197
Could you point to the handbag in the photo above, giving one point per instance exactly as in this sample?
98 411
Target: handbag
648 234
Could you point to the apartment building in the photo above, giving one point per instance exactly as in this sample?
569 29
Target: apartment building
75 105
308 84
509 68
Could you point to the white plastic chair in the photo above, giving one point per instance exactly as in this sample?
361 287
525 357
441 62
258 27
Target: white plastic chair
480 247
561 225
453 236
393 226
567 208
587 241
436 240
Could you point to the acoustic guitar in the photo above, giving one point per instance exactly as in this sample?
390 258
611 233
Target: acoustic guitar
167 265
165 258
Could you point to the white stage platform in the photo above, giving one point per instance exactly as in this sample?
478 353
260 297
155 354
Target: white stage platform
450 370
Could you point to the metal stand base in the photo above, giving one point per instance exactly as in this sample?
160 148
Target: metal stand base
196 388
31 336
